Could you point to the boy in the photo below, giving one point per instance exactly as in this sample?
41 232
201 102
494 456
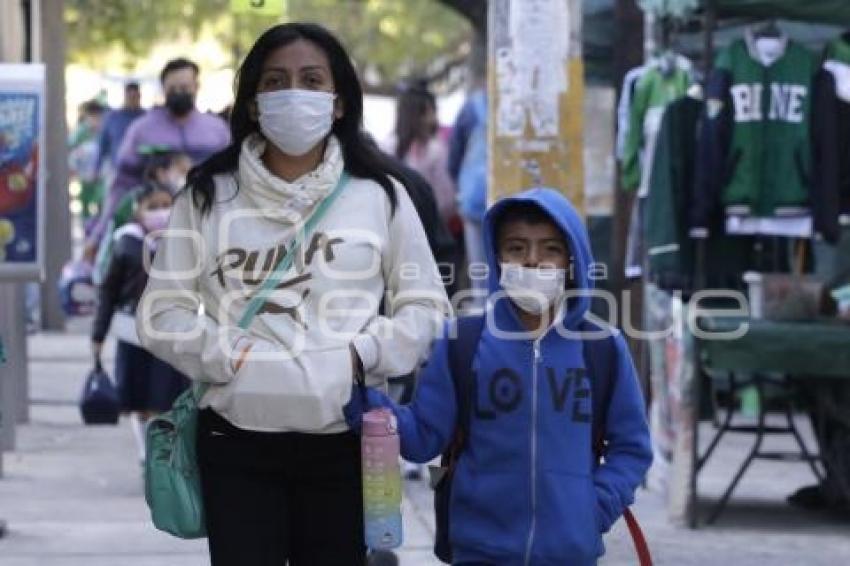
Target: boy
526 487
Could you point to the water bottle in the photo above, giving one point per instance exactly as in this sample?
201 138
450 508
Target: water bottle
381 480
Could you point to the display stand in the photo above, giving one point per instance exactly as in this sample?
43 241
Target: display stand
814 12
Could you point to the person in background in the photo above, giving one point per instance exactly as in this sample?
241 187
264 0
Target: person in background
281 473
467 165
165 169
82 157
177 125
416 142
115 126
146 384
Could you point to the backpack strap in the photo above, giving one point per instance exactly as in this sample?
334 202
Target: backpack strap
462 349
600 358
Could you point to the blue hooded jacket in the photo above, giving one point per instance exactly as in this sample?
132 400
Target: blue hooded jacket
527 489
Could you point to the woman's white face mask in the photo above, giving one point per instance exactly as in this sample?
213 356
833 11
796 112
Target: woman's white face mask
295 120
534 290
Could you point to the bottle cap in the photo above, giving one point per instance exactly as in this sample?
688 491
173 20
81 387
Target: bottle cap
379 422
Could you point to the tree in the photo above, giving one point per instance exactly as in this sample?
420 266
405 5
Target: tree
475 11
388 39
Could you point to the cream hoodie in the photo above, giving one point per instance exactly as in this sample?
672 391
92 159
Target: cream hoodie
298 373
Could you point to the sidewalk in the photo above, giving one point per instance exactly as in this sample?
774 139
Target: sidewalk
72 496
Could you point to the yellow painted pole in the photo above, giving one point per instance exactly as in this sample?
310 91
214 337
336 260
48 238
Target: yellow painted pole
536 97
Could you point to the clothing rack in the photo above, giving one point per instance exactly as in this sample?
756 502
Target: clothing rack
711 17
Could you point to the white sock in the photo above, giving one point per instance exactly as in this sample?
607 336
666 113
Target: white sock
138 428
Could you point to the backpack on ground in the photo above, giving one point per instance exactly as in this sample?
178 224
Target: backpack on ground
598 357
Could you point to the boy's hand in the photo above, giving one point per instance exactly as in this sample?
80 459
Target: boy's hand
362 400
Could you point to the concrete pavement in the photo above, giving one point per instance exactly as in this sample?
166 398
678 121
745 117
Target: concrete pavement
72 496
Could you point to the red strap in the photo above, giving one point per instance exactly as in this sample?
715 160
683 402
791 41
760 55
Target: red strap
644 558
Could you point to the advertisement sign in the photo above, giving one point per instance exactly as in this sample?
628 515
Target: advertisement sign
22 175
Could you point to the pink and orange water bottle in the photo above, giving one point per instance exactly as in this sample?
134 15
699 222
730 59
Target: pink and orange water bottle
381 480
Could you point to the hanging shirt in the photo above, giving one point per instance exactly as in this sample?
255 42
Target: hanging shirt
671 256
665 79
624 108
756 138
831 140
653 92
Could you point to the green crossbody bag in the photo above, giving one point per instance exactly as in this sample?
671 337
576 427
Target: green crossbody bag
172 479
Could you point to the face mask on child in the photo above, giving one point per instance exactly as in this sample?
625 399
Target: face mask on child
154 220
534 290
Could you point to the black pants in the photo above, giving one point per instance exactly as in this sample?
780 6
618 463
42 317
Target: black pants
280 498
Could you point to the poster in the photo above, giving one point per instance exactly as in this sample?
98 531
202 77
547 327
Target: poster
22 175
537 97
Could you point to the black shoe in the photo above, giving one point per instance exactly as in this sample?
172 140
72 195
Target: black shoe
382 558
412 472
810 497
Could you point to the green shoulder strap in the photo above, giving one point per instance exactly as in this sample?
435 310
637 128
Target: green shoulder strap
284 264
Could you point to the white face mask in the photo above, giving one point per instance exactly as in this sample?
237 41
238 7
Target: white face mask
295 120
534 290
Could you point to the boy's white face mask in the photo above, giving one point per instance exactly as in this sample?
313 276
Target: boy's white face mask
295 120
534 290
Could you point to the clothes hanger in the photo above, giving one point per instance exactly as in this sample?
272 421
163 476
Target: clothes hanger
696 91
770 30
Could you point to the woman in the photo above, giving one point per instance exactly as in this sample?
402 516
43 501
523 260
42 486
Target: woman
280 468
416 142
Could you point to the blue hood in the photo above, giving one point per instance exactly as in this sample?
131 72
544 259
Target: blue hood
567 218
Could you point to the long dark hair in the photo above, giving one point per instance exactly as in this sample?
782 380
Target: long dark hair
362 158
413 102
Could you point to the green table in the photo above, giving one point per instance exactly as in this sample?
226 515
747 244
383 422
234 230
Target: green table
773 353
799 349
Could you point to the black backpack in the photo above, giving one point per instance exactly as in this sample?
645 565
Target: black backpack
598 357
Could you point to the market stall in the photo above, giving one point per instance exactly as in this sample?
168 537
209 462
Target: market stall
740 166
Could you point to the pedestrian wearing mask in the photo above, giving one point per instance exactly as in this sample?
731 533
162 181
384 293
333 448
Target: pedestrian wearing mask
177 125
146 385
164 169
280 470
417 142
527 482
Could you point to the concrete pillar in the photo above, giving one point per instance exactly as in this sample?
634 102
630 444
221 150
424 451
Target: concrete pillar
49 48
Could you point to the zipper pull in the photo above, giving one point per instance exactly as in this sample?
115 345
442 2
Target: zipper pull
536 351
